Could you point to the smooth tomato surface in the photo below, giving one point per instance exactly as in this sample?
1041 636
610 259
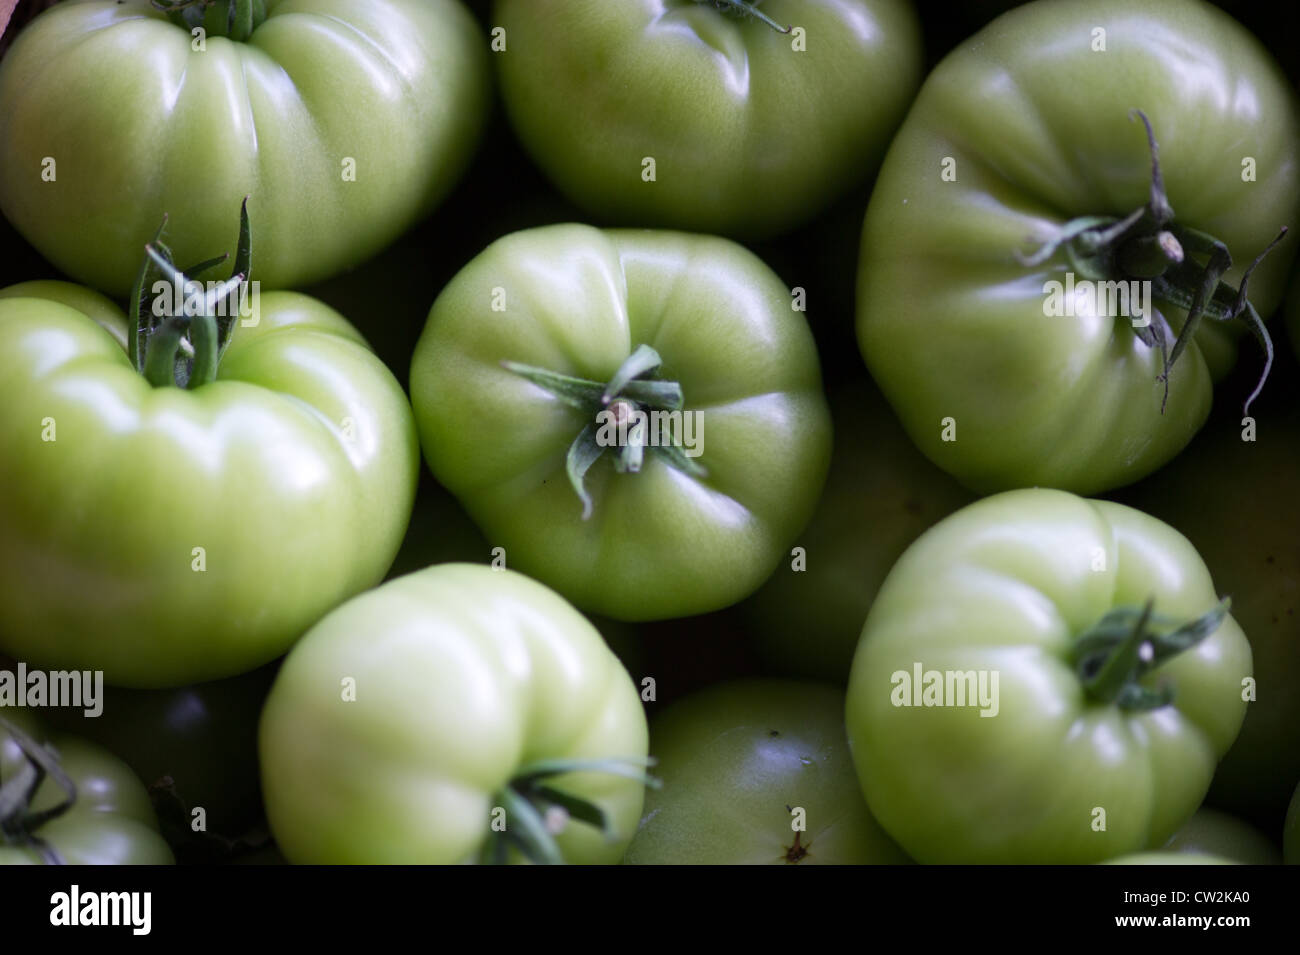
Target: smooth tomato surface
1037 767
343 121
398 722
1032 124
570 299
757 772
749 130
168 536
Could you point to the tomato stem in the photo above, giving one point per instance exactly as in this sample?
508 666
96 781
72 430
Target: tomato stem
184 350
748 8
233 19
18 824
1150 256
161 355
616 414
1148 245
530 799
1113 657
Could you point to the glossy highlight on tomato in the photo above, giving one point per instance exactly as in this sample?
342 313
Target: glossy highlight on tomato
169 536
701 116
1039 730
412 726
506 385
1030 125
343 121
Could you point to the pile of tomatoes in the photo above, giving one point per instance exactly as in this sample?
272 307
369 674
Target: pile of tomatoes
494 433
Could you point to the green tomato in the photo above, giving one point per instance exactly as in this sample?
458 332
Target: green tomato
880 495
168 536
405 727
1291 831
344 121
695 516
1230 494
1009 701
109 821
1215 833
195 747
1022 128
757 772
685 115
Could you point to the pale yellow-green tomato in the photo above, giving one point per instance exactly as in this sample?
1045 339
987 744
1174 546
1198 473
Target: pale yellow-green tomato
405 727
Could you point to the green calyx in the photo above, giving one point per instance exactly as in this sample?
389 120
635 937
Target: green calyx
747 8
180 327
617 413
19 825
1126 644
537 811
234 19
1149 245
